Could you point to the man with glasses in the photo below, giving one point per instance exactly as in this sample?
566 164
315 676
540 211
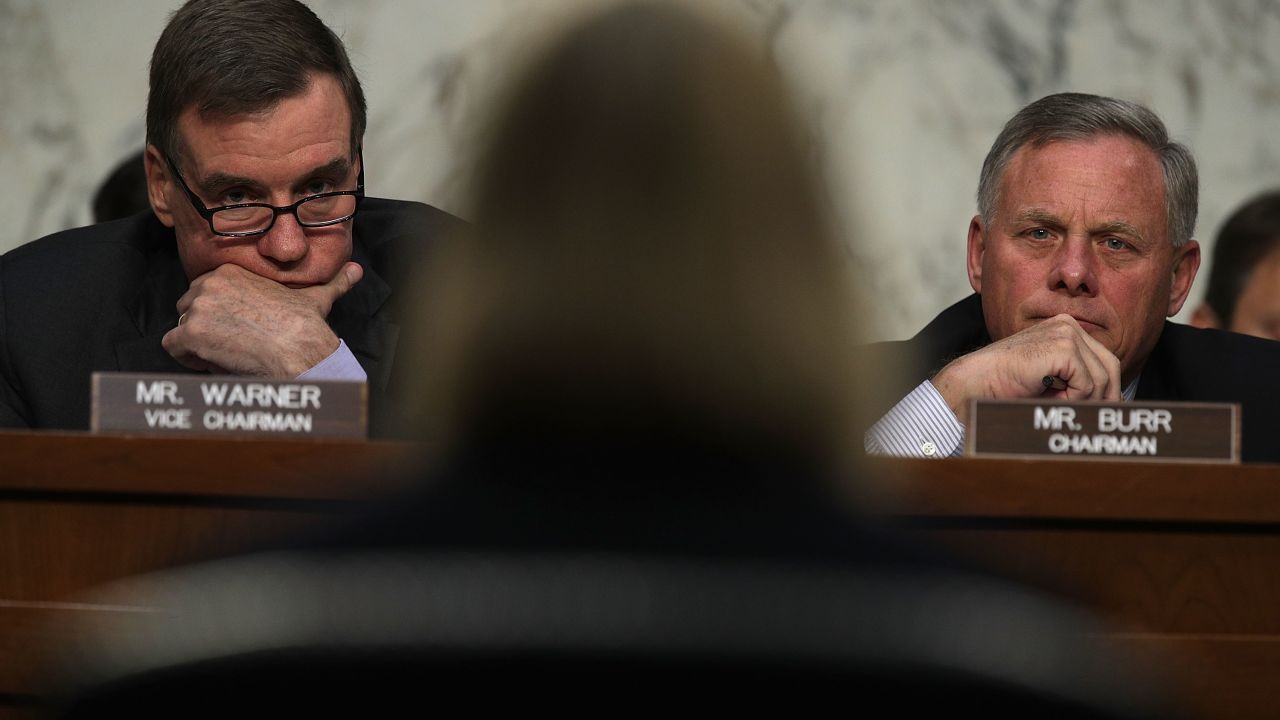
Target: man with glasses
262 255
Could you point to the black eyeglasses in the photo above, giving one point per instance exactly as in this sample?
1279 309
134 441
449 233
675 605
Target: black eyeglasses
248 219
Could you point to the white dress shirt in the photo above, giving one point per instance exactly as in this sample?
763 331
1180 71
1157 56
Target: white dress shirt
922 425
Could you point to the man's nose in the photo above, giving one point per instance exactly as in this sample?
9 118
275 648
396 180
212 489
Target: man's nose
285 242
1075 269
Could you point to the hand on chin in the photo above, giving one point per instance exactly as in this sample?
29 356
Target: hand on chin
246 324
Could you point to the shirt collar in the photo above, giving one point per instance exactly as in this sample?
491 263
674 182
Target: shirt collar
1131 390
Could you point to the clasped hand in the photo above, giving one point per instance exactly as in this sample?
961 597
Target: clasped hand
1016 366
244 324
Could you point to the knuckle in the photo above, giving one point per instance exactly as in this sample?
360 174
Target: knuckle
1062 344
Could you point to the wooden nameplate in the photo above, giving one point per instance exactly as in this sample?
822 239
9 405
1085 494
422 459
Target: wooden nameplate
1140 430
227 405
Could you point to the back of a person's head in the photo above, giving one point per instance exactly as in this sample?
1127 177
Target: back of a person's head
123 192
650 254
1248 236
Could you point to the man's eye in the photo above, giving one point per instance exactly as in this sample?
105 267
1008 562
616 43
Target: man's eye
315 187
1038 234
234 197
1115 244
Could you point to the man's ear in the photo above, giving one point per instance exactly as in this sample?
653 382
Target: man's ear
160 184
1186 262
977 246
1205 317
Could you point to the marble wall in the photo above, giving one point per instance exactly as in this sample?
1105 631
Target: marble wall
904 97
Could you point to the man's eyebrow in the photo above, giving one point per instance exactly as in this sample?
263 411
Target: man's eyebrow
1118 227
1044 217
339 166
219 180
1038 215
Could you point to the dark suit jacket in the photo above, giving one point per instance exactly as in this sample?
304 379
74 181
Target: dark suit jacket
1187 364
101 297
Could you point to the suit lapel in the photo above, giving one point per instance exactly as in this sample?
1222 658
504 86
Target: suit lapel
1157 381
154 309
957 331
358 320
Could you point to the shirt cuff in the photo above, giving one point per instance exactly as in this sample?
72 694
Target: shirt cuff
340 365
920 425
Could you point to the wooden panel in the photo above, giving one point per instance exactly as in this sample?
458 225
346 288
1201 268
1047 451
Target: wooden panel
199 466
1183 559
977 487
49 550
25 631
1219 677
77 510
1173 582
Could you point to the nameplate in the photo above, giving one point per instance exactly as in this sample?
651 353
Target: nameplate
1144 431
227 405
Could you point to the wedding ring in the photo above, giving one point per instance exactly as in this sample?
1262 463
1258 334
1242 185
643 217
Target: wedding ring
181 319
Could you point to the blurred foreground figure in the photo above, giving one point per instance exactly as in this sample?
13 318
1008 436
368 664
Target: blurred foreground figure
1244 280
641 374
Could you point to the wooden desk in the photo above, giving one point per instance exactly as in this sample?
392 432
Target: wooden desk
1185 559
77 510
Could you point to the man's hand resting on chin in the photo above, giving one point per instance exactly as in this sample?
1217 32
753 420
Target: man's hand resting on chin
1016 366
236 322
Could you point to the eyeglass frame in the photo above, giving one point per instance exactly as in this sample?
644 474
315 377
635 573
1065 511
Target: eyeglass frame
276 211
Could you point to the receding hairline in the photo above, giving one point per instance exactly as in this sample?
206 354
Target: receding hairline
1082 116
1036 144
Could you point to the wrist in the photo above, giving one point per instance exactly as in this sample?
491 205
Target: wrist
953 384
306 355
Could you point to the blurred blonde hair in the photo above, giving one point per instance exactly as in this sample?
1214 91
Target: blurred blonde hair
650 256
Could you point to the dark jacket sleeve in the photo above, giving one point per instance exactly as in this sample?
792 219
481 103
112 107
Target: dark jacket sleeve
898 367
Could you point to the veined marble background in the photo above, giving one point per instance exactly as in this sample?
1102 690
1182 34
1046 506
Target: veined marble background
903 96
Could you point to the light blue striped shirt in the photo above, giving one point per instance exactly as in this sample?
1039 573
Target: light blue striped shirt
340 365
922 425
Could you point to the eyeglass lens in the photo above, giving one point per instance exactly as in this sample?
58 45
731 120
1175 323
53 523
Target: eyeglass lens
315 211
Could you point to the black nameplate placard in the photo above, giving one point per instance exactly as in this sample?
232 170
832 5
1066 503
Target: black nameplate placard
227 405
1147 431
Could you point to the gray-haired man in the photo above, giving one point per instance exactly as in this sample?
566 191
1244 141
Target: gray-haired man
1081 248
